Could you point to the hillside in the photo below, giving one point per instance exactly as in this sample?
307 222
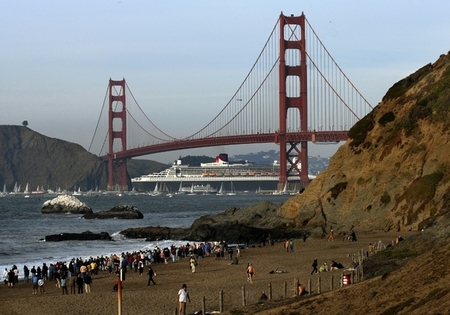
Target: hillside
393 174
29 157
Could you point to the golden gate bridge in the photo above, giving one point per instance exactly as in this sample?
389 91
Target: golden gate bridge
294 93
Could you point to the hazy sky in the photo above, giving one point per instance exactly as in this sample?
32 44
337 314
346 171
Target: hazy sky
187 58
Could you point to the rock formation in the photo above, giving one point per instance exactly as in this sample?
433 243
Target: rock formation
84 236
65 204
118 212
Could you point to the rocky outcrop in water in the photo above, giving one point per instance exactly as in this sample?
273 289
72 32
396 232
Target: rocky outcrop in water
253 224
85 236
65 204
157 233
119 212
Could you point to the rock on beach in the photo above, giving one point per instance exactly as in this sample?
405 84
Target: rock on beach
64 204
119 212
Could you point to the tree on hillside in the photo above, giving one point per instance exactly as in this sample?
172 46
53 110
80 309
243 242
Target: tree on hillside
25 123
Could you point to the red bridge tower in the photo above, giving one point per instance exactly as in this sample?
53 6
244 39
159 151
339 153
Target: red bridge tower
117 168
290 155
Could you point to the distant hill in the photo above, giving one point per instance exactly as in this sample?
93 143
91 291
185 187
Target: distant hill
27 157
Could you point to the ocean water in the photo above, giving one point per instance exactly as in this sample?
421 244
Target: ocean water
23 226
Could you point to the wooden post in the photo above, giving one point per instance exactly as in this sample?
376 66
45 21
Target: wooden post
331 282
269 289
318 285
352 278
285 289
309 286
295 287
243 296
119 293
342 280
362 272
221 301
203 305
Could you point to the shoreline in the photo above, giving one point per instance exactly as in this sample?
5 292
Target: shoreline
212 277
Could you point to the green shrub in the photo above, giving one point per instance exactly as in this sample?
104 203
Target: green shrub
386 118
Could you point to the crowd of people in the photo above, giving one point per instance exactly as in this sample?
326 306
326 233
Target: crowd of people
77 273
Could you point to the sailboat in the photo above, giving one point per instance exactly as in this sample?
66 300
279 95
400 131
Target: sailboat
191 192
155 191
258 191
295 191
26 192
220 192
232 191
180 189
3 193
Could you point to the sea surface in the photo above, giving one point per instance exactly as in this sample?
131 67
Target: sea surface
24 227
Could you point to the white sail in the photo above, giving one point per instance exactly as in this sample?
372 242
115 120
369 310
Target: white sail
220 192
232 191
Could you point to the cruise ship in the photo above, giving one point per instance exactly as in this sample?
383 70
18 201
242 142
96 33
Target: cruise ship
211 176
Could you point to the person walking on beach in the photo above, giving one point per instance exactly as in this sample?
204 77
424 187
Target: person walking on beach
151 274
314 265
250 272
182 298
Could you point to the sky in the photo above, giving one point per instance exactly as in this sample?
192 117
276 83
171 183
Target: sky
185 59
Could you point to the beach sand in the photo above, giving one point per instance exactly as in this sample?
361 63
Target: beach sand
210 279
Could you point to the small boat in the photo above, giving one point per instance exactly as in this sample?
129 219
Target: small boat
220 192
232 190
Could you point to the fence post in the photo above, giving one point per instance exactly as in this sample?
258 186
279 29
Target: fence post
352 277
270 291
362 272
243 296
221 301
295 287
318 285
309 286
342 280
203 305
285 289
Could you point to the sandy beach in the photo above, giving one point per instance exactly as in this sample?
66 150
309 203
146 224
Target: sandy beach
211 277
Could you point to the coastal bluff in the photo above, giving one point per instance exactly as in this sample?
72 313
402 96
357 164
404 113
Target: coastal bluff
65 204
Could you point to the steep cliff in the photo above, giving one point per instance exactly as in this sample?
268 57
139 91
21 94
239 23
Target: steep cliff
393 172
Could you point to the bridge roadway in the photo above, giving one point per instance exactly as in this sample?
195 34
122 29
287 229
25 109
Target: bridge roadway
297 137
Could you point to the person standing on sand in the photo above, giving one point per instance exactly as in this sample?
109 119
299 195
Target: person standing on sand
192 263
64 285
87 283
80 284
286 245
250 272
182 298
331 235
35 280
